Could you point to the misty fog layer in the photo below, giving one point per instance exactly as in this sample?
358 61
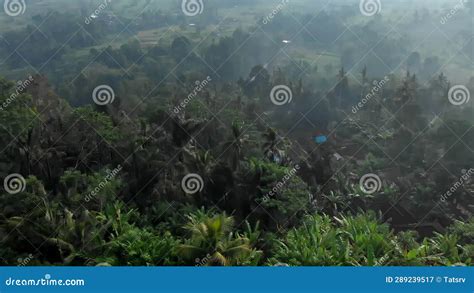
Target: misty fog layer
236 133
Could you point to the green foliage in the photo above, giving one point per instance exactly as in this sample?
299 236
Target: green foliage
95 122
245 148
371 164
280 188
363 241
91 190
17 117
212 239
139 247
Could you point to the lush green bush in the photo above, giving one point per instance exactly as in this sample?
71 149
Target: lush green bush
363 241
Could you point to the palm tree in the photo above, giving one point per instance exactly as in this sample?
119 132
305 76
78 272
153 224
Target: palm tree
212 240
235 145
275 147
270 140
